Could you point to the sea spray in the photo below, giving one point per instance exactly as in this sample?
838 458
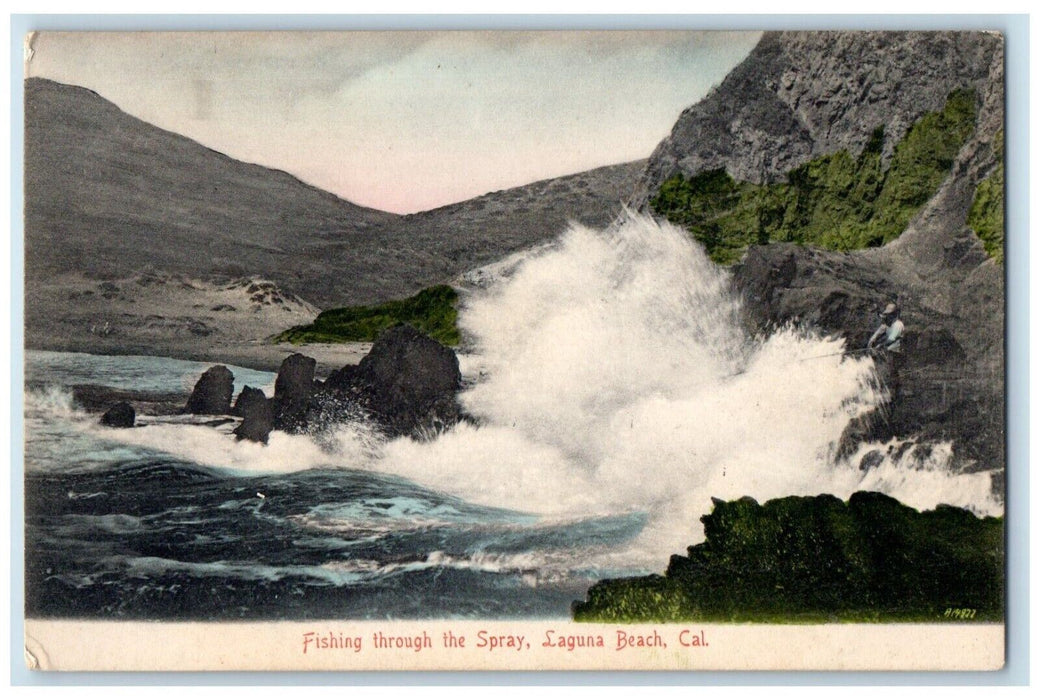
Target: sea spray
919 475
283 453
615 375
610 374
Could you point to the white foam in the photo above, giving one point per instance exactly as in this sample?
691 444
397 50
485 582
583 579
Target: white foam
615 376
283 453
612 375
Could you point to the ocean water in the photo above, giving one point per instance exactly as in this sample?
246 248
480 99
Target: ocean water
615 394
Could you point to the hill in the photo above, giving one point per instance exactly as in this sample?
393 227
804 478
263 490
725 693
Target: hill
111 200
108 194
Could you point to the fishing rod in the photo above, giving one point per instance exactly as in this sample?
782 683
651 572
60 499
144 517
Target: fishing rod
835 354
804 359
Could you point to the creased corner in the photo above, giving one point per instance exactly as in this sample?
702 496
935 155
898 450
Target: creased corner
29 51
35 656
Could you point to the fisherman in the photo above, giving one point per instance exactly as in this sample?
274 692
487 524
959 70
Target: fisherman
889 335
886 345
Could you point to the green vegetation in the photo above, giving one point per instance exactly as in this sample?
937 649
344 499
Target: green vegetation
431 311
836 201
813 559
986 217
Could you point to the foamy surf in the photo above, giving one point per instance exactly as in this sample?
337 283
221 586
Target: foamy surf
616 376
610 374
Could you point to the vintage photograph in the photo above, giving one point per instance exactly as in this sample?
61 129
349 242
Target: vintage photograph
575 345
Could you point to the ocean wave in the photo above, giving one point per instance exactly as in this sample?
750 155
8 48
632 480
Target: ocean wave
613 375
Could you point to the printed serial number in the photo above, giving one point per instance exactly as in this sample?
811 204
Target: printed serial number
959 613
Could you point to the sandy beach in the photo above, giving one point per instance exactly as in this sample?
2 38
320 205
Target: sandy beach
174 316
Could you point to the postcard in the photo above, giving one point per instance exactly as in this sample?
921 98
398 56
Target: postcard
514 350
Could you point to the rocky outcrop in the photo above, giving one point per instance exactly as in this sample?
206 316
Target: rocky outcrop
870 558
119 416
293 389
947 387
247 398
409 379
799 95
212 393
406 385
257 415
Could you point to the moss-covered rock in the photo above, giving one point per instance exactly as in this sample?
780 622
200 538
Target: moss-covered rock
431 311
837 201
986 217
819 558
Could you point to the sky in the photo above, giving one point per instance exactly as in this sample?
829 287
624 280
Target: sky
404 121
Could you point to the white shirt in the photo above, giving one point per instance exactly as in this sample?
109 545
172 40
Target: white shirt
893 336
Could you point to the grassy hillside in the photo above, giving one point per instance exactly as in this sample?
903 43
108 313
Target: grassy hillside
817 559
838 201
431 311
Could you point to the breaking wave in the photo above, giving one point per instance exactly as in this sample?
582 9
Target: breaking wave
615 375
610 374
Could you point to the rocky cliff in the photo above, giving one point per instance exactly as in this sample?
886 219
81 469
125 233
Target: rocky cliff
804 94
800 96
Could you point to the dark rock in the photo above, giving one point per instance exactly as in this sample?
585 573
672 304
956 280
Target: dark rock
257 413
935 346
292 392
410 380
870 427
342 379
212 393
871 460
295 378
96 398
406 385
119 416
247 399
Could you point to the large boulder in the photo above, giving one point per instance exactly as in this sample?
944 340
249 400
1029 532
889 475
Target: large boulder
257 415
212 393
409 380
406 385
120 415
292 392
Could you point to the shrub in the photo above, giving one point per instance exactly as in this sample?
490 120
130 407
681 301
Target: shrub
986 217
431 311
819 558
835 201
